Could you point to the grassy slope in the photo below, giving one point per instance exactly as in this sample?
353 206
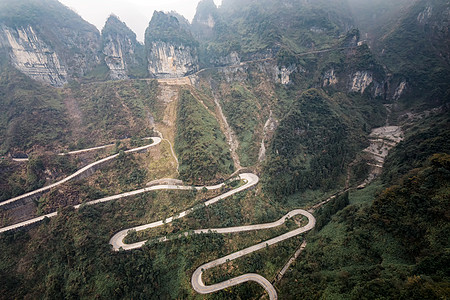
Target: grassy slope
113 110
38 121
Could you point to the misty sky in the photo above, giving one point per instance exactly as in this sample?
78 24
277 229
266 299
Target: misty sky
135 13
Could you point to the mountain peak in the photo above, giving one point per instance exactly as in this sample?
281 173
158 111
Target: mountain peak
166 27
114 25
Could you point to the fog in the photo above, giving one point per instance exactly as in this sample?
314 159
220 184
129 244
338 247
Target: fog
135 13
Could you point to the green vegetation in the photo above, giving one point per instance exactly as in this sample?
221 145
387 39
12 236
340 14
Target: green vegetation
311 147
200 144
414 50
166 28
75 41
19 178
395 247
388 240
32 114
241 108
251 27
113 110
114 26
33 12
69 255
425 138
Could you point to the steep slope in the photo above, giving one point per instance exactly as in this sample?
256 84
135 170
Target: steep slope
370 16
261 28
300 91
33 115
312 146
171 50
124 55
201 146
414 44
388 243
47 41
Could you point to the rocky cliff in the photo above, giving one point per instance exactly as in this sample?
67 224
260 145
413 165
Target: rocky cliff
171 50
32 56
47 41
123 53
205 20
166 60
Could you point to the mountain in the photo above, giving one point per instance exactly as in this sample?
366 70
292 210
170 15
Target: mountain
260 28
48 41
415 46
171 49
124 55
340 107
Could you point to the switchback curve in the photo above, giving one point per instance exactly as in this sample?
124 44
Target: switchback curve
117 242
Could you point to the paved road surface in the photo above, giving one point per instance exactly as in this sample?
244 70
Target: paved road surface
117 241
248 177
199 286
156 140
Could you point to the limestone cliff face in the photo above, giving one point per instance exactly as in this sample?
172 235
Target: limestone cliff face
171 49
47 41
166 60
275 73
114 57
284 73
360 81
121 50
329 78
399 90
32 56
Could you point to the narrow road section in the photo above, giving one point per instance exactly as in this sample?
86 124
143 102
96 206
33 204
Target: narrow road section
156 141
117 241
200 287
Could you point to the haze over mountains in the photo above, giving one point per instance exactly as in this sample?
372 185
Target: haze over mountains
341 106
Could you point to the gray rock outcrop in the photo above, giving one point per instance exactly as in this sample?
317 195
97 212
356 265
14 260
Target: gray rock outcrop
166 60
32 56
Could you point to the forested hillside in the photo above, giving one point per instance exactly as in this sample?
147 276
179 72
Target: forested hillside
260 119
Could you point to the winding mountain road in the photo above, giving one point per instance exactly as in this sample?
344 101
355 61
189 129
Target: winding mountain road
156 141
200 287
117 241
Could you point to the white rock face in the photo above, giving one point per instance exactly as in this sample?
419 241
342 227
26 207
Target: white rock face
169 61
400 89
360 81
329 78
269 128
284 74
382 140
33 57
114 51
